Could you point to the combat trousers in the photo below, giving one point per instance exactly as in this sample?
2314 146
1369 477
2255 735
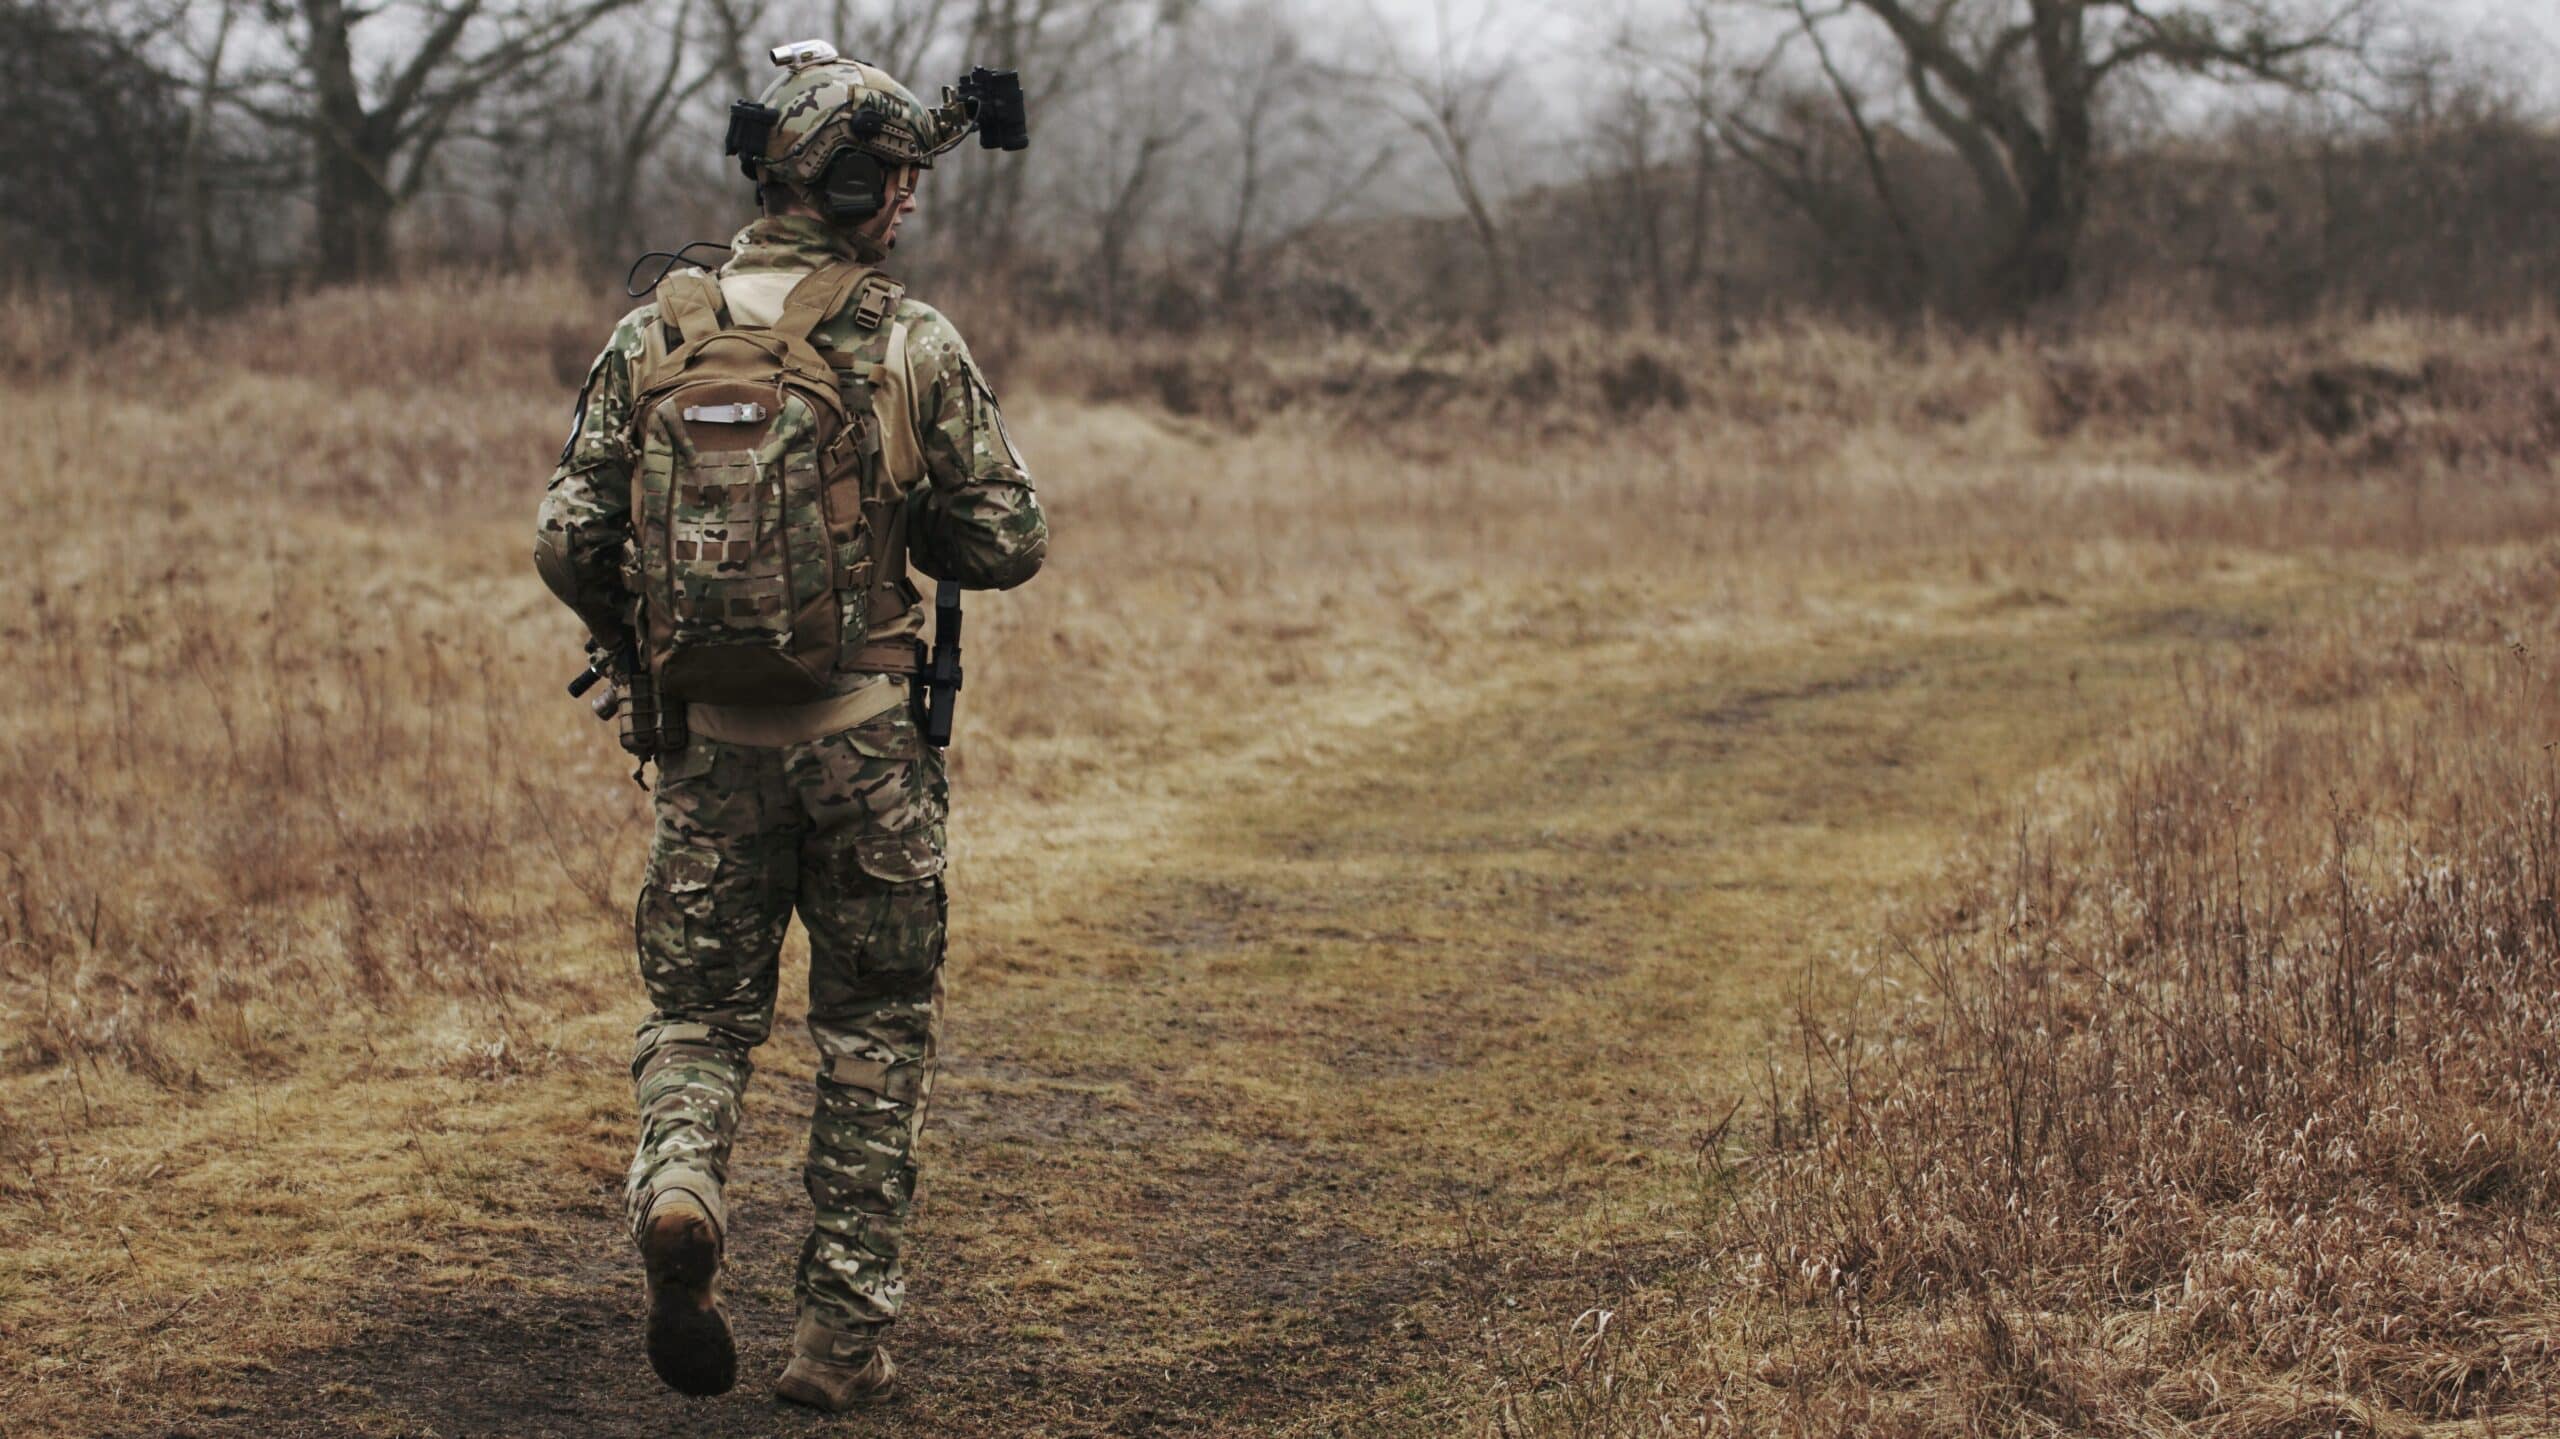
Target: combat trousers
847 831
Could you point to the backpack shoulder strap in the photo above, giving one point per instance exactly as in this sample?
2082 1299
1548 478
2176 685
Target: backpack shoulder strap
692 301
816 299
825 292
893 408
893 400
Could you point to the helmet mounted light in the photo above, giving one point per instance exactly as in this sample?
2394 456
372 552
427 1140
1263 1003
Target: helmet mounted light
803 52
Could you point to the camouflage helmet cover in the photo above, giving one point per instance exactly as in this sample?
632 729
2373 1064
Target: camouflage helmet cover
822 107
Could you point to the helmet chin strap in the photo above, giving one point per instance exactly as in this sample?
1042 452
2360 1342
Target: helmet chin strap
869 244
869 249
872 239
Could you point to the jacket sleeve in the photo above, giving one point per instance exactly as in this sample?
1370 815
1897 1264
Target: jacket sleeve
976 520
585 526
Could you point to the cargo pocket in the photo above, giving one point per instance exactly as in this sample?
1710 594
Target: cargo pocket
902 952
890 734
676 914
903 857
711 925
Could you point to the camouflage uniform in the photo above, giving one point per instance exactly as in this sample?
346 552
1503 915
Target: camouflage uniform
844 827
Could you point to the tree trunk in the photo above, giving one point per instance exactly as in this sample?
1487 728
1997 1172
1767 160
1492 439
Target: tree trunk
349 193
354 213
2036 266
195 271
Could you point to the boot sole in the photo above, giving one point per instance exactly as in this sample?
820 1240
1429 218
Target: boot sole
689 1341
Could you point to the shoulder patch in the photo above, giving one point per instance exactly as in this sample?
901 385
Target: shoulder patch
578 413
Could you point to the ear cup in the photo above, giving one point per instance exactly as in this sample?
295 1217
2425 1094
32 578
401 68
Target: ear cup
853 187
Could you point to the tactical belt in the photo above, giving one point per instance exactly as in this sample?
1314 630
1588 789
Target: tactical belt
775 726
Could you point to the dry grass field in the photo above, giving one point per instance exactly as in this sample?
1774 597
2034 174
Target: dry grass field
1806 884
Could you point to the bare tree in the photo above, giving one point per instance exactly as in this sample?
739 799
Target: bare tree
1293 157
1814 143
1260 81
1623 185
374 129
194 182
622 120
87 120
2017 89
896 36
736 44
1065 49
1148 118
1652 161
1447 95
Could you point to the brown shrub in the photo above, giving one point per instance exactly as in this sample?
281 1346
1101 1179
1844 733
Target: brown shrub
2227 1106
2367 401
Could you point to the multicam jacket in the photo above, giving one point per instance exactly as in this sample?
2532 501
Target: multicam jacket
975 521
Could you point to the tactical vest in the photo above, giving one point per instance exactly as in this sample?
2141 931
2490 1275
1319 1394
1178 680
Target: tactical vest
767 498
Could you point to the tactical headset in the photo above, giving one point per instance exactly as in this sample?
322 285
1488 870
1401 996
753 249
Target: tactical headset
855 185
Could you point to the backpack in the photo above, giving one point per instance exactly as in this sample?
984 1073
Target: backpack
761 563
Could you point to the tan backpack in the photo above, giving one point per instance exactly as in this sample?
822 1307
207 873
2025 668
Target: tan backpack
762 564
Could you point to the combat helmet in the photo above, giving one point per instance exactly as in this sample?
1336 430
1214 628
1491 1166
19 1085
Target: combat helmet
830 128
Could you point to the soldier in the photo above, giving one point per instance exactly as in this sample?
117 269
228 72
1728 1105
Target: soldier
829 804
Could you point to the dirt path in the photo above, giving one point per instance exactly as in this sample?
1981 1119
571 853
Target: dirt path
1249 1137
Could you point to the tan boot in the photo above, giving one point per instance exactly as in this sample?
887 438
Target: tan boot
835 1371
689 1341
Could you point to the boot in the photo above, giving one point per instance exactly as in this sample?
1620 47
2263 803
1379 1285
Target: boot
689 1342
835 1371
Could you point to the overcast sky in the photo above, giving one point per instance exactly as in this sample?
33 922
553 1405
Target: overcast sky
2517 41
2535 22
2525 33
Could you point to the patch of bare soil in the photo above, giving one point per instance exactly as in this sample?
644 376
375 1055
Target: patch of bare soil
1313 1309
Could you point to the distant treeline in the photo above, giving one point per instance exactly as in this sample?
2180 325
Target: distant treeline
1280 165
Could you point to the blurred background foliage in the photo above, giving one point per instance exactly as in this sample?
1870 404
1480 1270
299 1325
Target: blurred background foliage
1336 167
